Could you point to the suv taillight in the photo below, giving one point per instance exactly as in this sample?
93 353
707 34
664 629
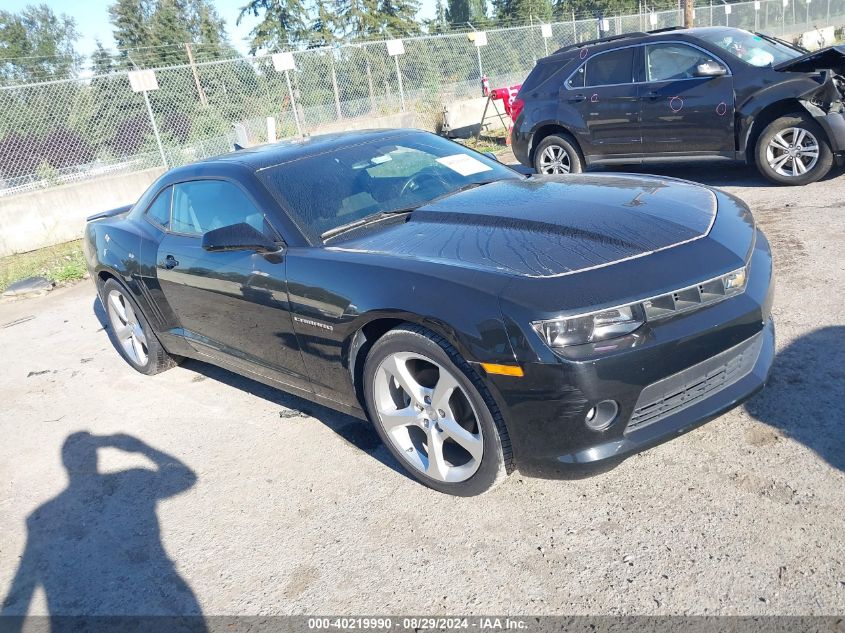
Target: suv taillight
516 107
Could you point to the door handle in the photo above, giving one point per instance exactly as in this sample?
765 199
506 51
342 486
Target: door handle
651 95
170 262
577 98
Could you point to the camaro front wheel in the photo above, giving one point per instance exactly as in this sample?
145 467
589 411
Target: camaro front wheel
793 150
434 414
131 334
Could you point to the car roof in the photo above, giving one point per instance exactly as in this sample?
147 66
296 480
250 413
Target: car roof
673 32
270 154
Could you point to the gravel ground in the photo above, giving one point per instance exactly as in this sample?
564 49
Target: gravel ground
266 504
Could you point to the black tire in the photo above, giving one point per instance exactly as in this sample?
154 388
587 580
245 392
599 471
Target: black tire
496 459
569 152
157 358
784 124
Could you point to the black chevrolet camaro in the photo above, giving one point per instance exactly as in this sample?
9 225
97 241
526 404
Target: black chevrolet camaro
482 320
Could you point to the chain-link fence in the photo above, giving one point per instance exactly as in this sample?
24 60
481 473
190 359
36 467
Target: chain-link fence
64 131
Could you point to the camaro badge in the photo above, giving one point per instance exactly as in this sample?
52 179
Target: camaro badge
322 326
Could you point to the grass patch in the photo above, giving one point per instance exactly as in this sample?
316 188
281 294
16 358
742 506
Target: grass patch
487 141
63 262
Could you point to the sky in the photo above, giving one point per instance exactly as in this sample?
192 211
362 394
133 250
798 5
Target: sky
92 19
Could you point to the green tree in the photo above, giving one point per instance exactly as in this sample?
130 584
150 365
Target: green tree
358 19
438 24
169 31
130 21
324 26
284 23
459 12
37 45
523 11
399 17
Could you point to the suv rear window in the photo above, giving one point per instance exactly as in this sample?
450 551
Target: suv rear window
541 73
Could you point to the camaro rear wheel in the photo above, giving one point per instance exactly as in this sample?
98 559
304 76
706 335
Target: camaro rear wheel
557 155
793 150
131 334
434 414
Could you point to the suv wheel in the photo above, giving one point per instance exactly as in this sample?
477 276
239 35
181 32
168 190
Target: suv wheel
793 150
434 413
558 155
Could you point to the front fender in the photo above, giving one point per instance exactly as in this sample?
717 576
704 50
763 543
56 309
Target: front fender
335 296
779 99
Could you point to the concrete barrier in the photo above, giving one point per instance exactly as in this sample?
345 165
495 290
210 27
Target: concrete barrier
51 216
402 119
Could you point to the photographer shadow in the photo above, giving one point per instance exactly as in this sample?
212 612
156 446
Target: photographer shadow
95 549
805 393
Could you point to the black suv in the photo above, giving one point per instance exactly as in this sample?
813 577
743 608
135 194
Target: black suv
685 94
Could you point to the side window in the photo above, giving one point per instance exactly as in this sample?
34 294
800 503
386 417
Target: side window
673 61
613 67
204 205
159 210
577 80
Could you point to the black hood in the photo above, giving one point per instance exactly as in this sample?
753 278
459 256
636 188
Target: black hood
551 226
830 58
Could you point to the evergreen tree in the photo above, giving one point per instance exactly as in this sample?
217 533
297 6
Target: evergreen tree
440 24
37 45
398 17
284 23
130 25
168 33
459 12
210 27
523 11
324 26
358 19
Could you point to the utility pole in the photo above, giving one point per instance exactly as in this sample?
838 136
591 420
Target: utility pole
688 14
200 91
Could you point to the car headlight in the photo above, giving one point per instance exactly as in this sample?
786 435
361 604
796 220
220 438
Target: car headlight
590 328
619 321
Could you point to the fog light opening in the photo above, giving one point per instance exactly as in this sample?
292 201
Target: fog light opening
602 415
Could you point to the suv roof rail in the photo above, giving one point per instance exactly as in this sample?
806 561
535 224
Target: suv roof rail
601 40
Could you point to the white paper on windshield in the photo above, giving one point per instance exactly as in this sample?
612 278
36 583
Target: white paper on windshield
463 164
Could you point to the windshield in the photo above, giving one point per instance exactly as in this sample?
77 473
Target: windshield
341 186
750 48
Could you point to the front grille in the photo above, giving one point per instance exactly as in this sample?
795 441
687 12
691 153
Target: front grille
693 297
674 393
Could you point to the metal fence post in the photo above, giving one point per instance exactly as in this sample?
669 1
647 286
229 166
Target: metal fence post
399 78
293 104
334 86
155 130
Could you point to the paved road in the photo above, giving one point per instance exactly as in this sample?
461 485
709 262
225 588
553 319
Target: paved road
200 491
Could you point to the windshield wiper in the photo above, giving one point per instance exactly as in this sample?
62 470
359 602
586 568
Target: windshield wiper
777 40
380 215
367 219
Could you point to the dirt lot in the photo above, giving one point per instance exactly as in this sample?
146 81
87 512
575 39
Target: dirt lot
266 504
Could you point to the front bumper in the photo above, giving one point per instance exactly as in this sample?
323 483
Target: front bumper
687 418
545 411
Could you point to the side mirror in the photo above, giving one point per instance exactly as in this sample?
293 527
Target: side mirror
238 237
710 69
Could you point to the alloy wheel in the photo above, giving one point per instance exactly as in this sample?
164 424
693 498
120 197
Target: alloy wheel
792 152
127 328
427 417
555 160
